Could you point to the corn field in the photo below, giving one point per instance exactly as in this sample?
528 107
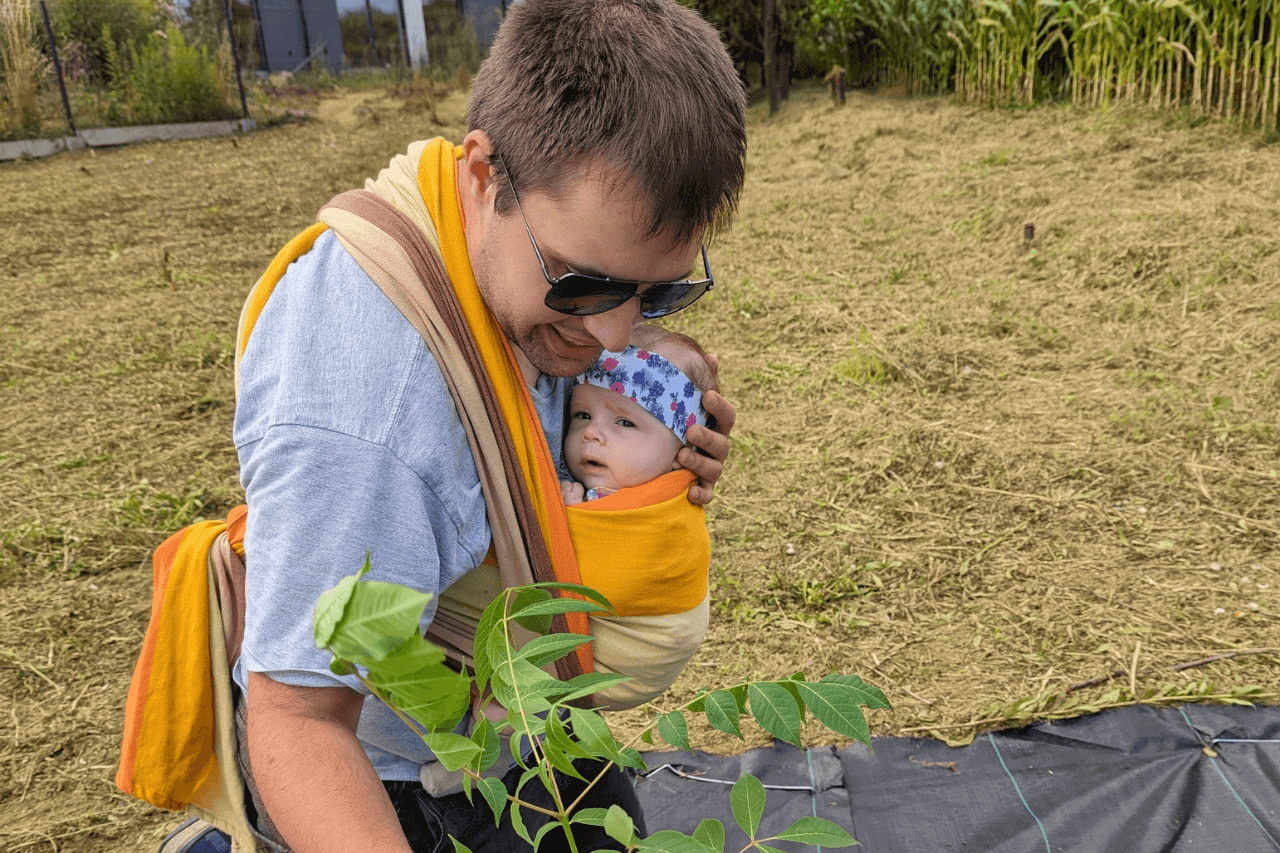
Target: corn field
1213 57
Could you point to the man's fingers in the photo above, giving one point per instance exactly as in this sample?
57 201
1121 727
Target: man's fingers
720 409
712 441
707 469
700 495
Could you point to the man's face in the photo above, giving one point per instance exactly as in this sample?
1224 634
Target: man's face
613 442
595 229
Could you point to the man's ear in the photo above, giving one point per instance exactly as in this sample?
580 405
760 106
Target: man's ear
476 177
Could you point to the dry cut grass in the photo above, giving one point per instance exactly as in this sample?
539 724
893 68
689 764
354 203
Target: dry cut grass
976 469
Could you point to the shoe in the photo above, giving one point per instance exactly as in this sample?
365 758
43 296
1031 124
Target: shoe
196 836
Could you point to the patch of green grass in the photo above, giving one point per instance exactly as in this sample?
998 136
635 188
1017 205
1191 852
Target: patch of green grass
206 348
999 157
976 225
776 373
37 548
149 509
817 593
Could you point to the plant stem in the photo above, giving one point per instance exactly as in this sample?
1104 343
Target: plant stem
413 725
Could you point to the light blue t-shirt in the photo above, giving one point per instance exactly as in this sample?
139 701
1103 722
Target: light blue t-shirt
349 444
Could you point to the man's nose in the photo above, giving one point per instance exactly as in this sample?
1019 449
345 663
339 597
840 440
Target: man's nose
612 329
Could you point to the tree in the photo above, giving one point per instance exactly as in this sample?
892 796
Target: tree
760 32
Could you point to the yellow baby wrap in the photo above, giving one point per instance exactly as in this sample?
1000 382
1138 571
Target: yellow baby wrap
646 549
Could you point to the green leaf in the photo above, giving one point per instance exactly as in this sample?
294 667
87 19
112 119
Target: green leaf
747 801
836 707
590 817
453 751
722 712
557 758
412 657
674 729
458 846
487 738
575 588
631 758
522 598
792 687
331 606
817 832
670 841
590 682
496 794
340 667
379 616
488 640
522 688
545 828
517 814
556 607
618 825
775 710
541 651
557 736
593 733
436 697
711 833
875 697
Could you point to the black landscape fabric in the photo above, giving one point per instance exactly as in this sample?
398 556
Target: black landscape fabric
1197 777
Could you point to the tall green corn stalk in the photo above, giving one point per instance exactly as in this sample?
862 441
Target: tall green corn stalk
1217 58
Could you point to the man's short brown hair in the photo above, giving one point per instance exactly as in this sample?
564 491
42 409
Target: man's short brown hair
641 87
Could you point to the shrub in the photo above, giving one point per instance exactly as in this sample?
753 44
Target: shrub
103 26
170 80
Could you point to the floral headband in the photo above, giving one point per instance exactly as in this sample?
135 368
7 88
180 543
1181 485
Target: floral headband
656 384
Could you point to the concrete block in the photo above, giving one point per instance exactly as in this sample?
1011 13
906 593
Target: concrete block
100 137
31 147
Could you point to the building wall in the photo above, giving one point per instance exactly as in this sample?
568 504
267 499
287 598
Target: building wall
283 40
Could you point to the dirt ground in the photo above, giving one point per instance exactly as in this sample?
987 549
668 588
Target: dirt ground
1008 388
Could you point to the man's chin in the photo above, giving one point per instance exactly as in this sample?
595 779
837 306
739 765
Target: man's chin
554 356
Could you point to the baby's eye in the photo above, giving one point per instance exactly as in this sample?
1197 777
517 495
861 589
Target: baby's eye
573 416
624 422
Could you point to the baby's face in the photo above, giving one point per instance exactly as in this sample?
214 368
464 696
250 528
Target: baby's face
613 442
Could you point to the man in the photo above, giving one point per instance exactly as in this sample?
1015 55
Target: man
606 138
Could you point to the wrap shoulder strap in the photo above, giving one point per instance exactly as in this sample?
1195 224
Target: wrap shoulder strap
397 256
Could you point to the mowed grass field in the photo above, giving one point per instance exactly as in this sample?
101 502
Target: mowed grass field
1008 387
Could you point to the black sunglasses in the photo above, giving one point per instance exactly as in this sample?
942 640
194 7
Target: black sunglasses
581 295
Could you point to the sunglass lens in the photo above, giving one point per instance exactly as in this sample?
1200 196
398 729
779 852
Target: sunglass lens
668 299
581 295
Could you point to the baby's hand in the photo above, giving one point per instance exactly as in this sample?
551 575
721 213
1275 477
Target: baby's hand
571 492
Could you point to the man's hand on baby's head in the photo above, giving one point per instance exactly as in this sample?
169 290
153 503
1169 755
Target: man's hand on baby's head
572 493
714 442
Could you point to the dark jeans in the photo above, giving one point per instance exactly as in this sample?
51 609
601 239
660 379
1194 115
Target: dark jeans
429 821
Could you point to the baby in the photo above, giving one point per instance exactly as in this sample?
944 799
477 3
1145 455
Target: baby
627 420
629 413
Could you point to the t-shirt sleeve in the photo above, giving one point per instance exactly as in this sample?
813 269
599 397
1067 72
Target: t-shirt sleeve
319 501
349 445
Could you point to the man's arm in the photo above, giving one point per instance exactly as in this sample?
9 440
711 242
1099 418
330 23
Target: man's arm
312 773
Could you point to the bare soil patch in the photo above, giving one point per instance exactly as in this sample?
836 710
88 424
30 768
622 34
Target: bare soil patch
973 468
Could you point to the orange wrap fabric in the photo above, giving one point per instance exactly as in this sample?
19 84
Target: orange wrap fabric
663 568
167 755
437 181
